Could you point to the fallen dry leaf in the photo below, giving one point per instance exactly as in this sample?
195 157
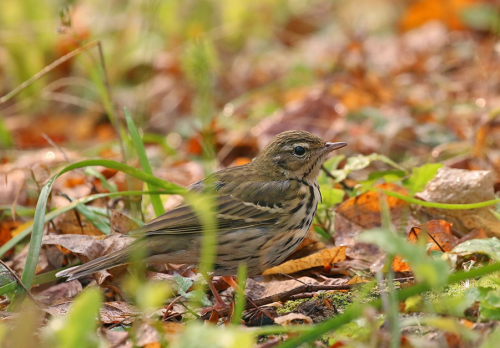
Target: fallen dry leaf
311 110
72 222
438 235
147 335
330 256
462 186
121 223
110 312
293 319
117 339
273 287
361 213
87 246
60 291
477 233
118 312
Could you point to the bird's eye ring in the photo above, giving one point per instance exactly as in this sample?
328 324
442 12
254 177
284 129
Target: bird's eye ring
299 151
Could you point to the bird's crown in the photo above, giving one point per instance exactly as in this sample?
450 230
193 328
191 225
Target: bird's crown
296 154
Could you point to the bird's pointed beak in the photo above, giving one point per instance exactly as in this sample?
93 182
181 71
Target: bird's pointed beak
329 147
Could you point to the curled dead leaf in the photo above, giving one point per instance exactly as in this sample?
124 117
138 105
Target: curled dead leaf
330 256
462 186
293 319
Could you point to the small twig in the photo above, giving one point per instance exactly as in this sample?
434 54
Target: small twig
430 235
20 283
169 308
307 291
292 278
330 175
327 172
435 241
286 295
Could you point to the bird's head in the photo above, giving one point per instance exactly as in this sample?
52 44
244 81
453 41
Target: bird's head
296 154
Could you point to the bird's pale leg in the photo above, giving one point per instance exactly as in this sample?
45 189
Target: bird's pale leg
219 304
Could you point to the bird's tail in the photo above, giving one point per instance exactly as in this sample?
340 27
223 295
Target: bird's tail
117 258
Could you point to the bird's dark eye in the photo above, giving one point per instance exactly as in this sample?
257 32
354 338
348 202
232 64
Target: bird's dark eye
299 151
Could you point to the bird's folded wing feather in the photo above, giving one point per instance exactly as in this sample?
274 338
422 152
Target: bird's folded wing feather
248 204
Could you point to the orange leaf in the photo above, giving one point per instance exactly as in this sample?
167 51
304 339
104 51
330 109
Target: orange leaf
318 259
446 11
364 210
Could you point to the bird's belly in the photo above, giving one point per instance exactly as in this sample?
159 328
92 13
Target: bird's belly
263 248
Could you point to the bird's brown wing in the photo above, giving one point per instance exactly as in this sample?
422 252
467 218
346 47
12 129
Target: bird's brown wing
248 204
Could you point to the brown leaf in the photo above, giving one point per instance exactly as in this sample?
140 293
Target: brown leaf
60 291
442 238
477 233
438 235
87 246
117 339
9 229
292 319
362 213
399 265
118 312
311 110
147 334
273 287
330 256
364 210
121 223
110 312
462 186
69 223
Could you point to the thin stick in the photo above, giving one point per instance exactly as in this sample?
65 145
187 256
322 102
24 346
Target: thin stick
285 295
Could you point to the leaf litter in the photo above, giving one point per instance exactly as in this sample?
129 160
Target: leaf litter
415 97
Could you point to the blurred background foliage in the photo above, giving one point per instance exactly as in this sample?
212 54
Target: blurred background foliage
172 63
200 68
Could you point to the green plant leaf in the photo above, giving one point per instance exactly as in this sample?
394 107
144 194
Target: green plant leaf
143 158
183 286
387 175
489 247
79 327
111 187
331 196
440 205
420 177
360 162
101 222
198 335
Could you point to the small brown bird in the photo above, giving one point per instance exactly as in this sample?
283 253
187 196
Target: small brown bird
264 210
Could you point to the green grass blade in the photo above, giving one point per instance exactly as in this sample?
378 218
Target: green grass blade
440 205
51 215
240 301
356 311
100 222
39 219
143 158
